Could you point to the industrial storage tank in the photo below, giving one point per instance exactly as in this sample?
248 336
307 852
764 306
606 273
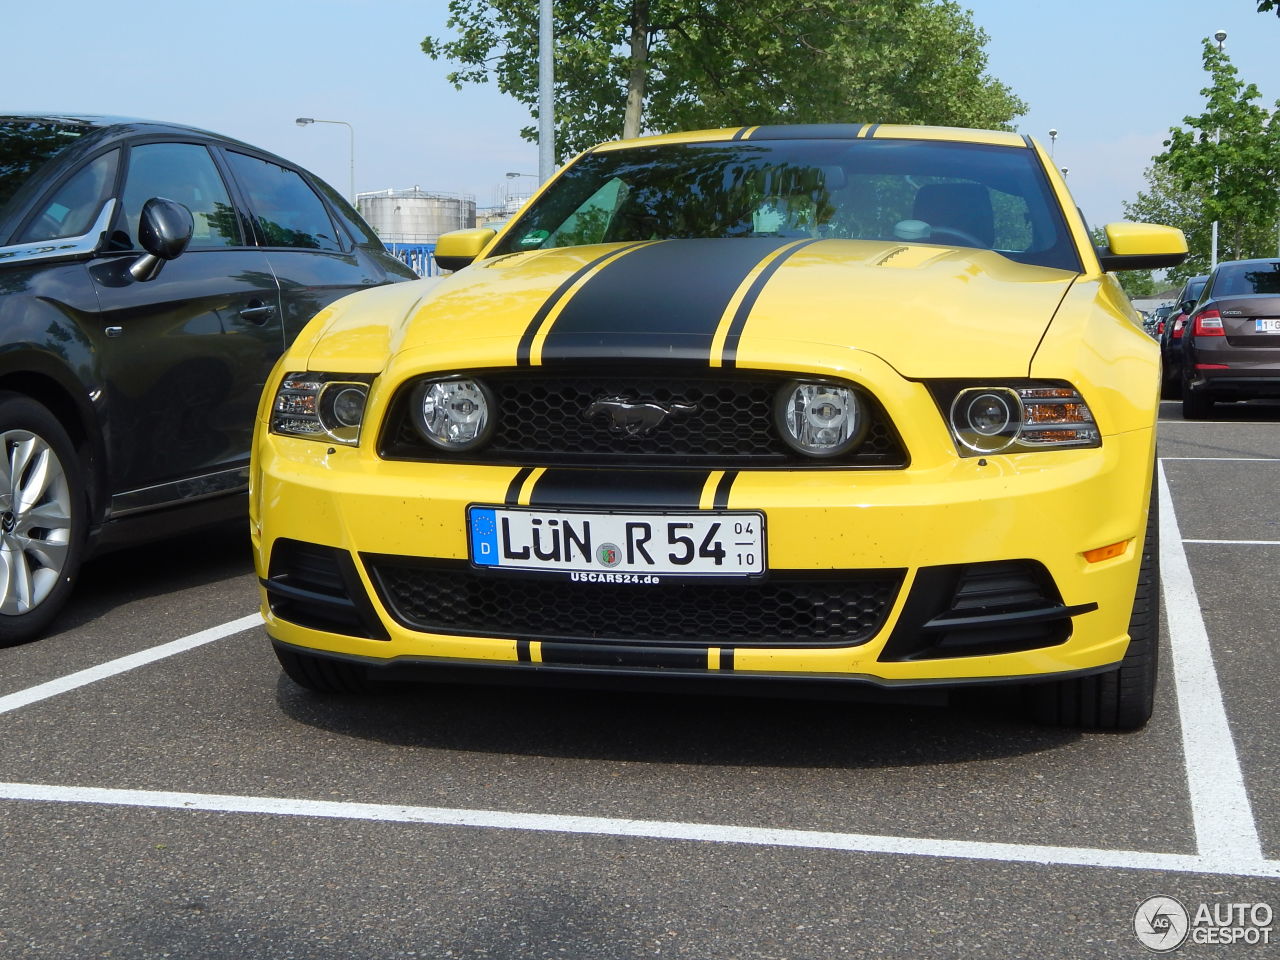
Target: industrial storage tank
408 222
416 215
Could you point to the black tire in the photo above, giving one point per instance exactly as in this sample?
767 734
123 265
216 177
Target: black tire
44 515
321 674
1120 699
1195 405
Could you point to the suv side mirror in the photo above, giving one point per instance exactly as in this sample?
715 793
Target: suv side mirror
1186 306
164 230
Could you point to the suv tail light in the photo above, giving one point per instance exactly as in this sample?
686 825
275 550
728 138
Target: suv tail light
1208 324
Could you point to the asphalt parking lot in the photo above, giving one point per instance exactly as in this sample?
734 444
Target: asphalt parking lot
167 793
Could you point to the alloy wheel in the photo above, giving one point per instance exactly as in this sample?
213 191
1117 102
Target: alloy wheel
35 521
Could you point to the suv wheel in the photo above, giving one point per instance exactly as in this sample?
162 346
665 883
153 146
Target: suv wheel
43 516
1120 699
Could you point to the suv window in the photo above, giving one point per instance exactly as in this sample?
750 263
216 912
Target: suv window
287 211
184 172
28 145
71 210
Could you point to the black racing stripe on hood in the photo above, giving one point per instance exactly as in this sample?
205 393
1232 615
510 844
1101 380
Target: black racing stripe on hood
665 489
739 321
526 339
664 300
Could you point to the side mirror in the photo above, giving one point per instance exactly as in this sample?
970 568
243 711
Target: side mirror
1187 306
1142 246
164 230
457 249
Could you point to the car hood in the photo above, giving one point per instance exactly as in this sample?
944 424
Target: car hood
928 311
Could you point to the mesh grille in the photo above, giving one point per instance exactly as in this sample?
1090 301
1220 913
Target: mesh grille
541 421
788 609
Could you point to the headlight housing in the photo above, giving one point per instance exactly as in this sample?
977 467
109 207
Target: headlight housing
453 414
321 406
1015 416
820 419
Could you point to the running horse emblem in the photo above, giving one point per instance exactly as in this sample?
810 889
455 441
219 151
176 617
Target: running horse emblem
632 418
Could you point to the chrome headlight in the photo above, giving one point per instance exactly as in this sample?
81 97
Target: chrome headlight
1016 417
820 419
321 406
453 414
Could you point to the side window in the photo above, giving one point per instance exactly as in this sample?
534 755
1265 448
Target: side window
286 209
186 173
71 210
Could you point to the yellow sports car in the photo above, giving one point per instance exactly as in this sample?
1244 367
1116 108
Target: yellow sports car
835 404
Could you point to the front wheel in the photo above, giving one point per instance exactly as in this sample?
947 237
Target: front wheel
43 516
1123 698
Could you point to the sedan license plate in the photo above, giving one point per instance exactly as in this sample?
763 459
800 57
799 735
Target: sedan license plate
1268 325
618 547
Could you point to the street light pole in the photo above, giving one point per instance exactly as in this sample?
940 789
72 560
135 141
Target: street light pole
1220 36
305 121
1053 142
546 92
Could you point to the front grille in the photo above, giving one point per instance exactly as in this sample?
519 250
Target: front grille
541 421
789 608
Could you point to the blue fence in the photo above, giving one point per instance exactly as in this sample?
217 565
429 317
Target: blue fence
419 256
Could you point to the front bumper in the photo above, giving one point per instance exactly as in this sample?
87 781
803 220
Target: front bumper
931 528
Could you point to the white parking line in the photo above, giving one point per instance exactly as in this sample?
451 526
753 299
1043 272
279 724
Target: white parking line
134 660
1227 459
651 829
1246 543
1226 833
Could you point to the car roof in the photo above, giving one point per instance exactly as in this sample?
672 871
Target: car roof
109 127
831 131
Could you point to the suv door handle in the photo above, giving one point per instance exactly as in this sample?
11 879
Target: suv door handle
257 311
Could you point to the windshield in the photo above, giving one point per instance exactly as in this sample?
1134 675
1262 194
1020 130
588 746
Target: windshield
26 145
990 197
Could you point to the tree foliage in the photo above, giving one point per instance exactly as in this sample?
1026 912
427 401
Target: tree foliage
690 64
1265 5
1223 166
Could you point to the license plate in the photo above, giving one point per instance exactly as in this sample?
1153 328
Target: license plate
1269 325
618 547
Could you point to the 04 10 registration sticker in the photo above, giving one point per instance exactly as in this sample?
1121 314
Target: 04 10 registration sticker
627 547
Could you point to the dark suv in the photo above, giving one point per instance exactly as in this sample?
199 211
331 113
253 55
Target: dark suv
150 275
1231 348
1171 338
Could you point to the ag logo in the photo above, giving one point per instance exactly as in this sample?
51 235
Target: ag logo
1161 924
608 554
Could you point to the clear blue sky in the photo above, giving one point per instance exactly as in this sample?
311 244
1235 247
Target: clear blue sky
1110 75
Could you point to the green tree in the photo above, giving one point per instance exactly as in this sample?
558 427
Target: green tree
1265 5
1228 160
626 66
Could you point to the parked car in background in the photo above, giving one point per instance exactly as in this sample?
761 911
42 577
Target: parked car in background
784 406
150 275
1231 342
1171 338
1161 315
